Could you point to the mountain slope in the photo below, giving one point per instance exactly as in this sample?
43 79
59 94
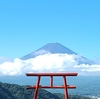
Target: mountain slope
13 91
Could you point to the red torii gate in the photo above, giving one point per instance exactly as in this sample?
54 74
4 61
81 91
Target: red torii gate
65 86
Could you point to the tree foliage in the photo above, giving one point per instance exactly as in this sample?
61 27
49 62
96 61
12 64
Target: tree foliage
14 91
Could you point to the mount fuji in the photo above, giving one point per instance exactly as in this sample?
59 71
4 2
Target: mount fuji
56 48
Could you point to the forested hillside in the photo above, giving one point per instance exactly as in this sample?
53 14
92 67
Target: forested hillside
13 91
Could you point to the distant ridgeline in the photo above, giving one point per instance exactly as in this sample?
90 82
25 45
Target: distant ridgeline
14 91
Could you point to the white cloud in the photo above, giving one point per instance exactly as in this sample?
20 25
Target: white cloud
48 63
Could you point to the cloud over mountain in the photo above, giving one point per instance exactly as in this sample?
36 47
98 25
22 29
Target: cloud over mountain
48 63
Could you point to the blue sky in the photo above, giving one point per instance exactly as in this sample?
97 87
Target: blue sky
26 25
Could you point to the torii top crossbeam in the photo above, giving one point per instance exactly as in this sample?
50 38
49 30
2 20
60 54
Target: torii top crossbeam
51 74
65 86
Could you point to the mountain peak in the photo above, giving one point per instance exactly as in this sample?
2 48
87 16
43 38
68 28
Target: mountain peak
52 48
55 48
